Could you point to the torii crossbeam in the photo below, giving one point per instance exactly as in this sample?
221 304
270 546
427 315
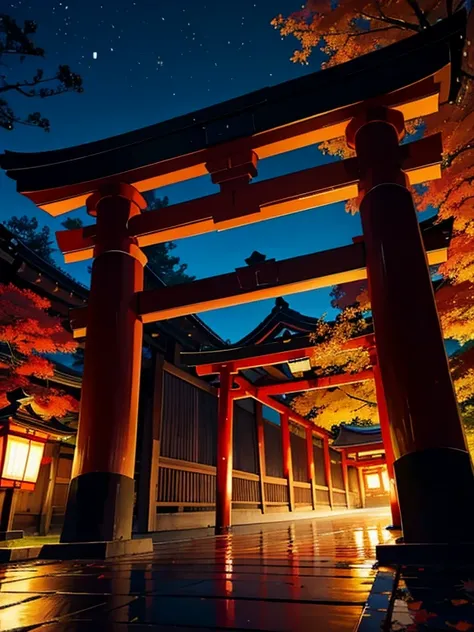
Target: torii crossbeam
268 279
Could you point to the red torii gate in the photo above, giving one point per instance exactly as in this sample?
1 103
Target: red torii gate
412 77
230 362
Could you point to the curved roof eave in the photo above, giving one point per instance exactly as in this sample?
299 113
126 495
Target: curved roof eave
73 172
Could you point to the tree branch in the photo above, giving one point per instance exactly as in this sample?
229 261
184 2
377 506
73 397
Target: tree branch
395 21
381 29
450 158
359 399
37 80
419 13
377 30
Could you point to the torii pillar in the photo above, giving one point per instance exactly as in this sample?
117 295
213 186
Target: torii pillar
225 420
100 501
433 470
386 438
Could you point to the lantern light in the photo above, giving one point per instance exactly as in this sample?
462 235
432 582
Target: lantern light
373 481
301 365
21 452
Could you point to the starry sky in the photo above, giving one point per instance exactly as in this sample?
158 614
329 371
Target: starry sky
144 61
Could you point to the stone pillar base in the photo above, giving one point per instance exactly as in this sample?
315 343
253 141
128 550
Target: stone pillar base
99 508
436 495
447 555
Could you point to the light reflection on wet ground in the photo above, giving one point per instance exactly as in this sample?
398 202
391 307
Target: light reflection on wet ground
305 575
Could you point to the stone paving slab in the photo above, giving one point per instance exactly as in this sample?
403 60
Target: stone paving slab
304 576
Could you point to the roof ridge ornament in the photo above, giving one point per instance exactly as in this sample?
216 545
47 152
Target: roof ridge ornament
255 258
280 303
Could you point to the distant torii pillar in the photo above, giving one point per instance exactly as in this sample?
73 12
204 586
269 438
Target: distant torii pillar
225 420
386 438
433 468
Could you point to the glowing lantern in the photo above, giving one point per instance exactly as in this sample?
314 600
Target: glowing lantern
373 481
21 453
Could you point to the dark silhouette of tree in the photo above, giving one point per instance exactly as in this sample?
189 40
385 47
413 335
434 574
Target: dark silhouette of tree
37 239
16 45
160 260
70 223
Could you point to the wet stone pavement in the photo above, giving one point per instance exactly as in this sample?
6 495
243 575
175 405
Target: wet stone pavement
305 575
433 599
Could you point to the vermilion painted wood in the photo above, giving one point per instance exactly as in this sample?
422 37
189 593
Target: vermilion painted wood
224 452
263 360
327 470
345 475
386 436
269 279
245 389
360 478
310 464
114 344
262 355
56 183
267 199
369 462
422 404
261 450
295 386
287 460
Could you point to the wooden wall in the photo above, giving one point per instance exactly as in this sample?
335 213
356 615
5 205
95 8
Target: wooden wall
182 471
186 467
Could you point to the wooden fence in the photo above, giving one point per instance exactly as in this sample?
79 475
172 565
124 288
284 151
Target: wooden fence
184 471
176 459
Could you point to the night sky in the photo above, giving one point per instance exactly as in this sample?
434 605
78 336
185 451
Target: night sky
145 61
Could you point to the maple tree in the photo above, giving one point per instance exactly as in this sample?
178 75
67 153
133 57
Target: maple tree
332 406
337 32
27 333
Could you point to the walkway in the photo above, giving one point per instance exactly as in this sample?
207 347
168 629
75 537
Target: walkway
305 575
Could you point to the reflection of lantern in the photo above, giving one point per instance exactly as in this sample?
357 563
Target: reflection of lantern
21 452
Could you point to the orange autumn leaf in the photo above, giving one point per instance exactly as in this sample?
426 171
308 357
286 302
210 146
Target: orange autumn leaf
29 330
340 404
333 33
36 366
345 30
461 626
422 616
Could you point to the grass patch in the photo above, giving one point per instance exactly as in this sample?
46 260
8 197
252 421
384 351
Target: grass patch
29 540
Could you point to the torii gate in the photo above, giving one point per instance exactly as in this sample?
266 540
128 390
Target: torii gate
229 362
367 100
